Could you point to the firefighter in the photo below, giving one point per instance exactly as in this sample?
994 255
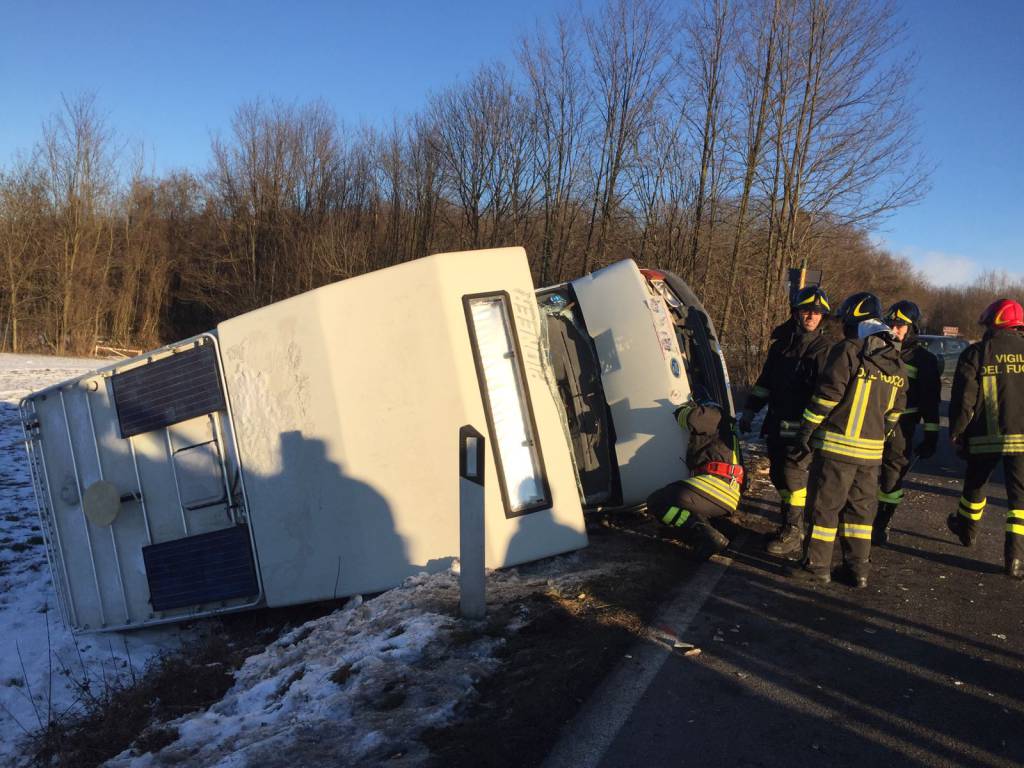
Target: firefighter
858 399
923 396
986 421
713 487
795 358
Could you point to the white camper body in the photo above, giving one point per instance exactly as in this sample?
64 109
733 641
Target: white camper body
306 450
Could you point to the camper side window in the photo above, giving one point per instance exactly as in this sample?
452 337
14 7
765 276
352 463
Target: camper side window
502 378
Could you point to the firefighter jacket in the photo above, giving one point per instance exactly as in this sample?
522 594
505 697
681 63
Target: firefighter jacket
987 403
711 440
787 380
925 390
859 397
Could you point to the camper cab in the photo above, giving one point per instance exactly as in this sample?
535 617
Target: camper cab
626 348
283 458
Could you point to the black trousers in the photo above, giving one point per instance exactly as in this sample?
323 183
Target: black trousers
973 501
841 493
680 505
899 453
788 476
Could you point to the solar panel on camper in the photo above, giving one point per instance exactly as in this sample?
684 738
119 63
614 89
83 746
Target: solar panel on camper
205 568
166 391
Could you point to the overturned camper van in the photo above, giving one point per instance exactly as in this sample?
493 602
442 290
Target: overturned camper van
309 449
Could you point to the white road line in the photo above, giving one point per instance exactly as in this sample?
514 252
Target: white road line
585 740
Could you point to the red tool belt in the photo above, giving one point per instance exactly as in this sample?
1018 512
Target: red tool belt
721 469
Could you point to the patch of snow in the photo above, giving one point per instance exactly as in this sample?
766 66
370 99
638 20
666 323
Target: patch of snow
361 685
358 686
45 672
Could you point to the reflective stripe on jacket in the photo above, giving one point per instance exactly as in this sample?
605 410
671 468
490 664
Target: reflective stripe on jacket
859 398
712 439
987 403
725 493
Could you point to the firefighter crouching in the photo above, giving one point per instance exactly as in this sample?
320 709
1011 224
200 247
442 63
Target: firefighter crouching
713 487
924 394
986 420
795 359
859 397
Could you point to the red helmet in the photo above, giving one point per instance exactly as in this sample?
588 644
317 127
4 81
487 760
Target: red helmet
1004 313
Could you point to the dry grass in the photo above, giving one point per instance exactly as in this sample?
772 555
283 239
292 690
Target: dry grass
187 681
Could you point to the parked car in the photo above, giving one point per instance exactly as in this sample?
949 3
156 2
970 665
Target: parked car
946 348
309 449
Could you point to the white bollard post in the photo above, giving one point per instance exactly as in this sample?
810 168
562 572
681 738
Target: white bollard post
472 598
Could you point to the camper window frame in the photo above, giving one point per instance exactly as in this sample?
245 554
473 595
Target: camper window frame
526 402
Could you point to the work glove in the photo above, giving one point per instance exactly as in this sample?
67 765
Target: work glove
682 413
801 446
959 446
926 448
746 422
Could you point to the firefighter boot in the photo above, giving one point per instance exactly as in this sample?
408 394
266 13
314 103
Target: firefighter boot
963 529
783 517
790 540
852 574
880 529
804 572
704 538
1014 563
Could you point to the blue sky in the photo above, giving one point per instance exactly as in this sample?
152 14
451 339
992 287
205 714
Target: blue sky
171 73
970 93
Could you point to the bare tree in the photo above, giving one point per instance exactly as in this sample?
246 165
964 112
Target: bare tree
708 48
471 125
23 231
424 167
757 60
654 186
629 42
274 187
80 164
560 106
844 147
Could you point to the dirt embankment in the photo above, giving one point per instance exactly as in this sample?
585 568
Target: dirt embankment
574 637
560 636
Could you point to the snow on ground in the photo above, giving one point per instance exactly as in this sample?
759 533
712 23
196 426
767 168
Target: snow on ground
355 687
45 672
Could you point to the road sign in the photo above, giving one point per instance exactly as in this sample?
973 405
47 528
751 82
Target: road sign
799 278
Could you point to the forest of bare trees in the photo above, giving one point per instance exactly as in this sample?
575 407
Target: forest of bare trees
727 142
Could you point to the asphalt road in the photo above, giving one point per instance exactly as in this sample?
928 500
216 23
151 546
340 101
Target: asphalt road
925 667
